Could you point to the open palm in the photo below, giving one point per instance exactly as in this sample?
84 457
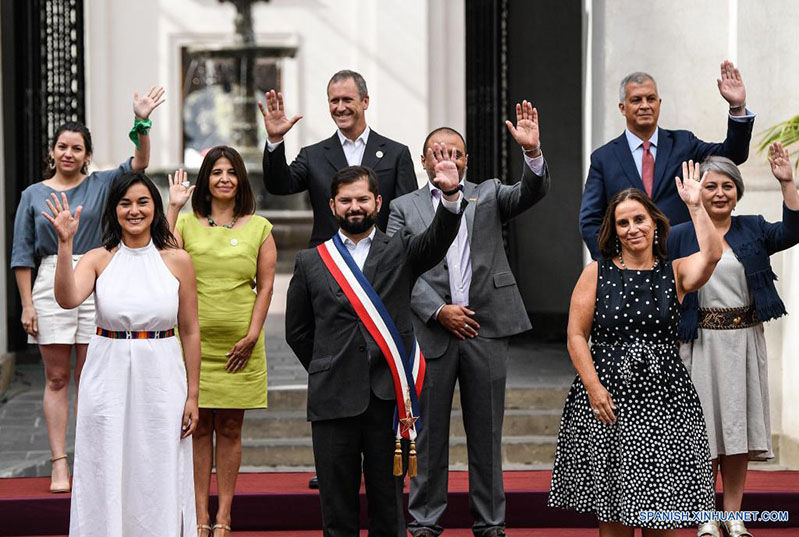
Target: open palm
526 132
731 85
144 105
690 188
443 159
275 120
64 222
780 162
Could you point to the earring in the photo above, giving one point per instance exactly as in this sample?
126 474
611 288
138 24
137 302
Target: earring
85 168
618 246
51 162
656 236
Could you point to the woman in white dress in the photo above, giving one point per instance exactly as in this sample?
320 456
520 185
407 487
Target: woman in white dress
138 403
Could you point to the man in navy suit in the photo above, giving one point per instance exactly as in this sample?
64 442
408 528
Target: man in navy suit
353 144
648 157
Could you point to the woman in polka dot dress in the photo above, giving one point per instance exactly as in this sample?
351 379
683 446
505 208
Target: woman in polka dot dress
632 446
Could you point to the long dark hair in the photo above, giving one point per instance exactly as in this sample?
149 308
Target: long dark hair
159 229
69 126
607 233
201 199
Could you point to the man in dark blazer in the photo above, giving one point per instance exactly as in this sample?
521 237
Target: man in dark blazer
648 157
350 391
464 311
353 144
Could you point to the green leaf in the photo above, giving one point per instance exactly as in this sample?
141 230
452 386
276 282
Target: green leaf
785 132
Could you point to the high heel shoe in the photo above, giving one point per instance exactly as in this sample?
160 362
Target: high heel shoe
204 530
59 488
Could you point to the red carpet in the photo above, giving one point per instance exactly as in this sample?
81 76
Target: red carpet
520 532
283 504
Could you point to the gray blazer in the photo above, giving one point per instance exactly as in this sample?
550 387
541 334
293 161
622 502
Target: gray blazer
493 293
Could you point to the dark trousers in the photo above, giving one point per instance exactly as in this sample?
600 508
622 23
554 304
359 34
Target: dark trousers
480 367
342 448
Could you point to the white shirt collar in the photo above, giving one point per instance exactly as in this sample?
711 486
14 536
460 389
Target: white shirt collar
635 142
364 136
350 244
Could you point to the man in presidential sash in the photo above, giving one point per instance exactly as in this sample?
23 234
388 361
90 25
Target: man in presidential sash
348 320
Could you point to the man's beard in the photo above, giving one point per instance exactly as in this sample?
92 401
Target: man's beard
358 226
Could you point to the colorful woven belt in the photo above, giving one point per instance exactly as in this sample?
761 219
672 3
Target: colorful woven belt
135 334
728 318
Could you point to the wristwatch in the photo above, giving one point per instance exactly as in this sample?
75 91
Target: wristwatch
455 190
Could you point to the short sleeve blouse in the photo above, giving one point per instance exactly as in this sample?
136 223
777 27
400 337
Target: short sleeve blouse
34 236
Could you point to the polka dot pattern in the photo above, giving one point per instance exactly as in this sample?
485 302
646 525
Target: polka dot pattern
655 457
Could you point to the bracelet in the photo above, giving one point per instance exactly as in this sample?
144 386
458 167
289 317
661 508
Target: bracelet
738 107
140 127
533 150
453 191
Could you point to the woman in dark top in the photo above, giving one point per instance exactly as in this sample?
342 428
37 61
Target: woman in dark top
35 244
724 345
632 439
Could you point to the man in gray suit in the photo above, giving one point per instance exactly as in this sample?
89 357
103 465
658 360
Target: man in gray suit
465 309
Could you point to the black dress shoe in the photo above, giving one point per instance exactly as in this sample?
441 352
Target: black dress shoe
424 532
313 483
495 532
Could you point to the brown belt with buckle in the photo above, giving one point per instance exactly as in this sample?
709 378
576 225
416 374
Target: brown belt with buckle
727 318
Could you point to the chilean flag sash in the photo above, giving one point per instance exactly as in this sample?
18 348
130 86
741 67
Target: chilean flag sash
407 370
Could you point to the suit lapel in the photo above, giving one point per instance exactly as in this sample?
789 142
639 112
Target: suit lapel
470 193
625 156
424 204
334 153
372 260
664 148
373 145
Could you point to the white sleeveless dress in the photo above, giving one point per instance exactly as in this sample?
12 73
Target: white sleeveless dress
133 473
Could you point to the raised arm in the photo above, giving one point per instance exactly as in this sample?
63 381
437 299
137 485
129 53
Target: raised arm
732 89
279 177
72 287
780 162
694 271
427 249
581 319
515 199
180 191
143 106
784 234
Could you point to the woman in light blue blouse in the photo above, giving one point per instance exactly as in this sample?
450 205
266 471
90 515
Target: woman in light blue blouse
35 243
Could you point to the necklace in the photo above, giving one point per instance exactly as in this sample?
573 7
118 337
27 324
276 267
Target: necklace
623 266
211 223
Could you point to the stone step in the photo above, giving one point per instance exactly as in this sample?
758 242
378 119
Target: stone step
293 398
265 424
517 451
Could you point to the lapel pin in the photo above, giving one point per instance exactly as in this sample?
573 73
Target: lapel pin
379 154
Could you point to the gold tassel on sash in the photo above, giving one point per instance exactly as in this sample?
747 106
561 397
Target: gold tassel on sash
412 468
398 458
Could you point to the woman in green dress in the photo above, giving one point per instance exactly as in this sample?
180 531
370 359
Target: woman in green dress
234 256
